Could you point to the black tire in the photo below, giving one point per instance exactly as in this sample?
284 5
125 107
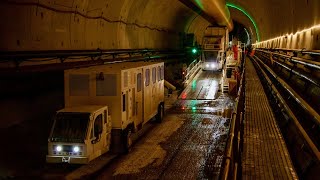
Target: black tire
127 141
160 114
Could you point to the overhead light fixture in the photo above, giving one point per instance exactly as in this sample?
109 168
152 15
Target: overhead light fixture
291 34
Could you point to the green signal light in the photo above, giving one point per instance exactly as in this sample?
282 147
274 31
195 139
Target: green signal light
248 15
194 84
194 50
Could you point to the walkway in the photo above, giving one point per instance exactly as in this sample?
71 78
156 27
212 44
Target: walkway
265 155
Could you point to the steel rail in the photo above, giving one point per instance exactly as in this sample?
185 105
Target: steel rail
288 110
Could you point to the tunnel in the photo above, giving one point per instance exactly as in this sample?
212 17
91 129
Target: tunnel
60 25
39 39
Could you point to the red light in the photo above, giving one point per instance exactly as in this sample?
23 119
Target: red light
184 95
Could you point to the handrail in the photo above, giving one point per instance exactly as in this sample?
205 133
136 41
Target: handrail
191 70
309 63
226 170
294 94
289 111
232 153
302 75
298 72
302 51
212 46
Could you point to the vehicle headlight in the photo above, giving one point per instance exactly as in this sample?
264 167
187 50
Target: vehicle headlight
59 148
76 149
207 65
213 65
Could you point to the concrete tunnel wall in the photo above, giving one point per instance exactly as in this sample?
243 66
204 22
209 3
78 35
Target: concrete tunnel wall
122 24
80 24
276 18
104 24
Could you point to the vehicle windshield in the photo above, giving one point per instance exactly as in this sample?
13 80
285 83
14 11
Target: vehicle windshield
70 127
210 56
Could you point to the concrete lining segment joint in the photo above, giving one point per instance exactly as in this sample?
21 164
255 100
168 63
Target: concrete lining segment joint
86 16
248 15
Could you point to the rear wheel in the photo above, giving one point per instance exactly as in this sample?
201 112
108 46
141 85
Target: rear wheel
160 114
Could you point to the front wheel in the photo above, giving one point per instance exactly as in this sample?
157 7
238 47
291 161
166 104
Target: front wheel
160 113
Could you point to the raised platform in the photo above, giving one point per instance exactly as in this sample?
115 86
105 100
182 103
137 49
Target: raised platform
265 155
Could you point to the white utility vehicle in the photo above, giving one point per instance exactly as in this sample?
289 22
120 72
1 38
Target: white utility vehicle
104 106
214 44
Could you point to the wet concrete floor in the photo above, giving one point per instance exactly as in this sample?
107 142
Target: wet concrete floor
190 142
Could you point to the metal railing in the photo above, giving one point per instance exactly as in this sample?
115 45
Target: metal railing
232 158
315 116
302 51
192 70
212 46
303 148
296 97
232 161
292 59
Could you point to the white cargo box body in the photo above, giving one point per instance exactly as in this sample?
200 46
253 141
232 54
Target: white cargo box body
131 90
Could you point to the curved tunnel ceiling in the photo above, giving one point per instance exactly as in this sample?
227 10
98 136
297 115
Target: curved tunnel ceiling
216 9
104 24
128 24
276 18
241 15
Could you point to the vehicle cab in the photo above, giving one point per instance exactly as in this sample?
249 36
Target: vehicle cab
79 134
213 60
214 45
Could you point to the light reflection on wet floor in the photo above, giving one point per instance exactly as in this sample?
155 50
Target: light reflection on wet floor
190 142
204 87
217 107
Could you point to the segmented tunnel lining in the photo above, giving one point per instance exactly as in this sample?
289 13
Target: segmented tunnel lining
265 155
